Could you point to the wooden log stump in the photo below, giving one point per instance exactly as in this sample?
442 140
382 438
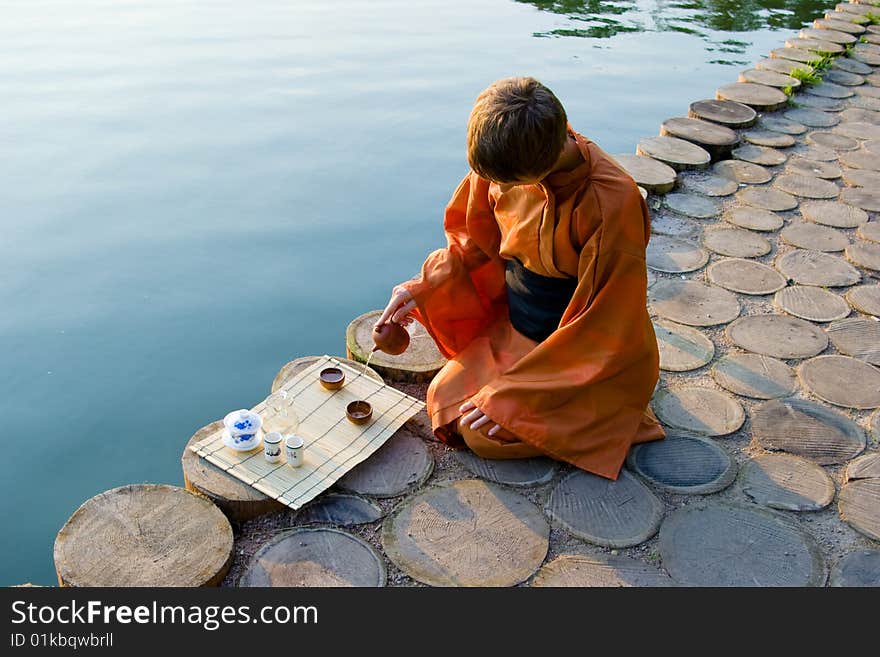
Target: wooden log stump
812 101
743 172
859 130
830 90
843 77
778 336
682 348
862 178
745 276
769 78
806 186
832 213
466 533
816 161
754 219
814 45
784 66
760 155
837 25
817 268
755 376
794 55
614 514
235 498
807 429
725 112
860 568
861 160
677 153
692 303
865 299
144 535
854 8
692 205
805 167
869 232
781 124
769 138
717 544
757 96
842 381
833 141
707 184
764 198
593 570
684 465
700 411
650 174
864 102
810 302
857 337
812 118
419 363
717 140
832 36
735 243
788 483
868 91
815 153
315 557
866 57
851 66
663 223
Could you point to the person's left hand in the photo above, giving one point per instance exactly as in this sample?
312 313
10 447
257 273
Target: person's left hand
476 418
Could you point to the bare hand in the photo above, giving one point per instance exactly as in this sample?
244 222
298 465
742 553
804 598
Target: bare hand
476 419
398 308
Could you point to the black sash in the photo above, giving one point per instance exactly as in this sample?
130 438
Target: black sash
536 302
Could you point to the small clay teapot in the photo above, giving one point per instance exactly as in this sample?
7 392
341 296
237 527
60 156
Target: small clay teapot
391 338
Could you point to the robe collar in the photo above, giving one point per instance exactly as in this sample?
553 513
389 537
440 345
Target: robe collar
561 180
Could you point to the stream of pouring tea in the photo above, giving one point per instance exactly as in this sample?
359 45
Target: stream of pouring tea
367 364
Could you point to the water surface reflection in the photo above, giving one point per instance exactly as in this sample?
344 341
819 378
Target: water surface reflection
601 19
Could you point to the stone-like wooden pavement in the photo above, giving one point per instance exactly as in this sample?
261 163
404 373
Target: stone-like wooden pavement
764 285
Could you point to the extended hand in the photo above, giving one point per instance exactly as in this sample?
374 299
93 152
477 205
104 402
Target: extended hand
476 419
398 308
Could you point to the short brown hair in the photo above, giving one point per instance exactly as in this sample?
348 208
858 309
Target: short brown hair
517 130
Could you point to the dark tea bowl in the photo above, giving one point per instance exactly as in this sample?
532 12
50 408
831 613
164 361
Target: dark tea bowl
359 411
332 378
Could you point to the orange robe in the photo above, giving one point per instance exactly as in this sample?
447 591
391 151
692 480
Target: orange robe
582 394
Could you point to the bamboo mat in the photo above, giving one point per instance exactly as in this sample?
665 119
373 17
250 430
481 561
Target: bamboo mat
333 444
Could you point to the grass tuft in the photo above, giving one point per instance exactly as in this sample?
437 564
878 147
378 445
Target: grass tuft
805 76
822 63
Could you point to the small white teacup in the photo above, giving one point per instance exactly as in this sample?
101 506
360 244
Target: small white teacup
272 447
294 445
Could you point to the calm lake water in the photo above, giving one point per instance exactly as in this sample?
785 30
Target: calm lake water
193 193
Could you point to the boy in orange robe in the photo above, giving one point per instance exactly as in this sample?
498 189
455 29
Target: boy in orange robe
539 299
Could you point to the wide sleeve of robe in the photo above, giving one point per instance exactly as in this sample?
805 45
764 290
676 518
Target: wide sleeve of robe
460 290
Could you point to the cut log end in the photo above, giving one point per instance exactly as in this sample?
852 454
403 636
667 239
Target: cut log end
236 499
418 364
144 535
